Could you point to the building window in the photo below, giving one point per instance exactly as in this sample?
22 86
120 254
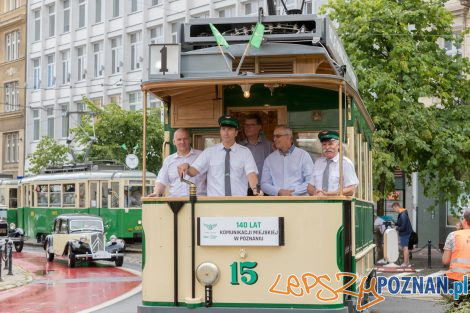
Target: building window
51 10
11 4
97 101
308 7
12 40
36 124
11 147
116 8
155 2
452 48
12 97
135 5
135 101
50 70
116 55
98 9
81 13
154 102
50 122
97 59
115 99
175 29
136 54
156 34
66 16
81 63
249 10
65 55
37 25
36 74
226 12
65 120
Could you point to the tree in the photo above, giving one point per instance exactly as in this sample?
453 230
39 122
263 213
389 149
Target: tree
393 46
47 153
119 132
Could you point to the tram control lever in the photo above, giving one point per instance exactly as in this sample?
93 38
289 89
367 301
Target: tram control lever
192 188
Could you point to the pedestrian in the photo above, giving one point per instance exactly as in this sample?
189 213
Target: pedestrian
287 170
168 175
404 229
230 167
457 251
325 178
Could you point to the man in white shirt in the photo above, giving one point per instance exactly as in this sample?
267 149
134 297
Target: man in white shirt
168 175
325 178
288 170
230 167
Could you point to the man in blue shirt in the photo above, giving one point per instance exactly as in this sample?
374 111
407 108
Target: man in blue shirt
288 170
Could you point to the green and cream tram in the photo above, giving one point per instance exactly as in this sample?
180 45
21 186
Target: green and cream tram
105 190
8 199
282 245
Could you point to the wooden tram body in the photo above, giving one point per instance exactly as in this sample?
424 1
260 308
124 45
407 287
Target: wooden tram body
107 191
293 80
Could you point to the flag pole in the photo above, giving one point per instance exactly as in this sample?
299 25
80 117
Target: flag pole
225 58
242 58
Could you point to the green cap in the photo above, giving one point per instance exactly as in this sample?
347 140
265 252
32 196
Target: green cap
227 120
327 135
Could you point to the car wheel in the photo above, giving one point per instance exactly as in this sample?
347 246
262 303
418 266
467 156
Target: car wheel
19 246
71 261
49 256
119 261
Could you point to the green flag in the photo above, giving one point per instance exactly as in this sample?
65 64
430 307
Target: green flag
257 36
218 37
124 147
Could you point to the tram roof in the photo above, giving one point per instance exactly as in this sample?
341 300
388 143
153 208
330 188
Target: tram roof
92 175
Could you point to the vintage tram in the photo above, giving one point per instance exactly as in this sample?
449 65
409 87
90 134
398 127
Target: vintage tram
101 188
224 254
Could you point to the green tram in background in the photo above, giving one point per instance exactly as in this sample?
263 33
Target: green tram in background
102 189
300 76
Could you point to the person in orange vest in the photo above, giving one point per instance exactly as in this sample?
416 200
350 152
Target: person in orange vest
457 251
404 229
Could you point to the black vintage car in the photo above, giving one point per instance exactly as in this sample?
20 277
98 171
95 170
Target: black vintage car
81 237
12 233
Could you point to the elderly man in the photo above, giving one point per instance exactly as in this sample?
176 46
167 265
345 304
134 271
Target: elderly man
325 178
230 167
255 140
286 171
457 251
168 175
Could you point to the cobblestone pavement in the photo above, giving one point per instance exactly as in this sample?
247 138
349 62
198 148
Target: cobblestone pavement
19 278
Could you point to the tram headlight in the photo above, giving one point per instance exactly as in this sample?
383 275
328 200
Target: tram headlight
83 239
207 273
12 226
139 222
113 239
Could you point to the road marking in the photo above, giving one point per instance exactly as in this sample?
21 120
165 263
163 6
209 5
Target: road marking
122 297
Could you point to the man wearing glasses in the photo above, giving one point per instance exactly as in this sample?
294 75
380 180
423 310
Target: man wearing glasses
255 140
288 170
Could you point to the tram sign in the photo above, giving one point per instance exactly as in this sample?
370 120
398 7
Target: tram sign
241 231
164 61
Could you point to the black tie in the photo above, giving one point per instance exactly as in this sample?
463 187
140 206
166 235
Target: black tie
228 188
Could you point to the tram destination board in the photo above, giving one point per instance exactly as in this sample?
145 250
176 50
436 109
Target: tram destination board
240 231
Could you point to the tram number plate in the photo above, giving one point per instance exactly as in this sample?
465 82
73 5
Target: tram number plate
102 255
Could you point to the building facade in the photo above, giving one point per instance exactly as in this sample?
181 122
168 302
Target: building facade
99 49
12 88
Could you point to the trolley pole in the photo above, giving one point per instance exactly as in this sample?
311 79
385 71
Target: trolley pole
144 143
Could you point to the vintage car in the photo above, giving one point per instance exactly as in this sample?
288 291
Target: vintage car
12 233
81 237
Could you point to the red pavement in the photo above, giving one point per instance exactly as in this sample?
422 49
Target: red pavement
57 288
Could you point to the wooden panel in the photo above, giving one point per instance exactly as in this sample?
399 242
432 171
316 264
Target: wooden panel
200 108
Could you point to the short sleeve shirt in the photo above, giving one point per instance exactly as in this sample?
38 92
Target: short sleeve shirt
168 175
212 162
450 242
349 174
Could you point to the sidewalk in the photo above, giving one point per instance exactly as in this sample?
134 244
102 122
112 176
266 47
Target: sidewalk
130 248
19 278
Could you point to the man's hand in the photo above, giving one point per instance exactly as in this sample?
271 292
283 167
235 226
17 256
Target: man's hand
182 169
256 193
285 192
320 193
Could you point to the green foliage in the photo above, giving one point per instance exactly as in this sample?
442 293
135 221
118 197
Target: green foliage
393 46
120 132
48 153
462 305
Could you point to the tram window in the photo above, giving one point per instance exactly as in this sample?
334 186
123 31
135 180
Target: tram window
203 141
54 195
69 195
134 195
309 142
104 195
81 195
93 195
114 195
13 198
42 191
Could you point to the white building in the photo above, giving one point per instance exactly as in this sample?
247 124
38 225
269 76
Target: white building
99 49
